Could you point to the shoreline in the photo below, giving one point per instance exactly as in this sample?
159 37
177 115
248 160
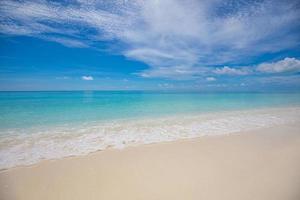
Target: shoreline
259 164
190 126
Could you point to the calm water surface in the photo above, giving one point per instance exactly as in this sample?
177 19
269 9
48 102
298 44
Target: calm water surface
27 109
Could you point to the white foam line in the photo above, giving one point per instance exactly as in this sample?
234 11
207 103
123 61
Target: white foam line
29 146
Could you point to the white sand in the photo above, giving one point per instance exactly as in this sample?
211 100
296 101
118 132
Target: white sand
260 165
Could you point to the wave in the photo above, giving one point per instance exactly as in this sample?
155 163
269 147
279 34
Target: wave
31 145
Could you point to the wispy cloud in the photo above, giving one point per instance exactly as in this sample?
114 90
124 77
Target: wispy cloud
175 38
174 72
232 71
87 78
68 42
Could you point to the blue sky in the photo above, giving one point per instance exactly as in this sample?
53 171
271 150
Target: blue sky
205 45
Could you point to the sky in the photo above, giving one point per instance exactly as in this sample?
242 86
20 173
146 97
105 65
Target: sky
202 45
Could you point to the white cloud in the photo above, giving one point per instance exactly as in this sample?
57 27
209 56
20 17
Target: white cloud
211 79
287 65
232 71
191 34
283 66
87 78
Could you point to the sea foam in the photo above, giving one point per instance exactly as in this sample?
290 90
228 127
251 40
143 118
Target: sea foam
31 145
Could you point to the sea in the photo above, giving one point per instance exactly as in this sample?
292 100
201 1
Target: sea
45 125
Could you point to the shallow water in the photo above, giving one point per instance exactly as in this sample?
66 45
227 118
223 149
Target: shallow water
29 109
51 125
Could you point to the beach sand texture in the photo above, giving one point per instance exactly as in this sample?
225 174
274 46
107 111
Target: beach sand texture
258 165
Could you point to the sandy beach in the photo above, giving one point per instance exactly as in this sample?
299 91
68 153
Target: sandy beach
261 164
149 100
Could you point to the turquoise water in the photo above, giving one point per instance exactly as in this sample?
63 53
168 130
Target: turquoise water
50 125
30 109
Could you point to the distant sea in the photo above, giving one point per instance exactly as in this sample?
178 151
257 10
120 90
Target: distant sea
50 125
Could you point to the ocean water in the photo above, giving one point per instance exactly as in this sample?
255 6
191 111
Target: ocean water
50 125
